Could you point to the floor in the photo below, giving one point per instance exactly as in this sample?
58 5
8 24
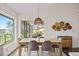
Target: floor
34 53
74 53
66 51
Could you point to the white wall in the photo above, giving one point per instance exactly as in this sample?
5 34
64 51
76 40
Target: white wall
8 48
1 50
54 13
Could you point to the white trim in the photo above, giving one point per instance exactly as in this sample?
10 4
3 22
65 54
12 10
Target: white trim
4 13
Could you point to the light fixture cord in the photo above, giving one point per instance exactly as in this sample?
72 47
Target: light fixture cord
38 9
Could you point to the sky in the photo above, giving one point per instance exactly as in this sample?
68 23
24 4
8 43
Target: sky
3 22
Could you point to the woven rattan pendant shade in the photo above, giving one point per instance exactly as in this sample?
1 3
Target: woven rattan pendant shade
38 21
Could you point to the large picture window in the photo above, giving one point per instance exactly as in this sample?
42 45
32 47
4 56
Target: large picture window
6 29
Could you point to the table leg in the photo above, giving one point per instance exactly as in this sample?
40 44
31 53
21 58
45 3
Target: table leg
20 50
60 49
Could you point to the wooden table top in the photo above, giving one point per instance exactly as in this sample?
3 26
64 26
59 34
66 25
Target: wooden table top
41 40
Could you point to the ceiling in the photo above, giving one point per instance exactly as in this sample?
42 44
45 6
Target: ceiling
22 8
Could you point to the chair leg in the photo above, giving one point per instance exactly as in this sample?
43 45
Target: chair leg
24 49
38 52
53 49
50 53
29 53
27 49
41 52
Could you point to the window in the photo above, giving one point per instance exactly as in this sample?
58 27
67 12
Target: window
6 29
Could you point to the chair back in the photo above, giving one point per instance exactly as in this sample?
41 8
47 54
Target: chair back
47 46
33 45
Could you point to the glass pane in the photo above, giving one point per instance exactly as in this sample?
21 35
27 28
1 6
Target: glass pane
6 29
26 29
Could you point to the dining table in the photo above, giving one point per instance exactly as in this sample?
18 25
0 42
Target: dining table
53 41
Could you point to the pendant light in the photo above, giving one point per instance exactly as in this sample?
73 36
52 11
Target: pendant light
38 20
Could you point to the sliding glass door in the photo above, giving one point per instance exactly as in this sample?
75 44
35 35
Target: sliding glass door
26 29
30 30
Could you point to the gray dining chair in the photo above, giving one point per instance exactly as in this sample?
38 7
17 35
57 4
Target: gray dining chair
47 46
33 46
